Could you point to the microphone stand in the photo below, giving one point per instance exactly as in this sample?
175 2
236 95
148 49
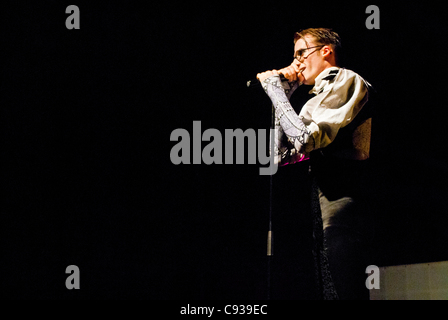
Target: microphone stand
270 248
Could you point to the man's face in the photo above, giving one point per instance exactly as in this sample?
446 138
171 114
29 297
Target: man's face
311 58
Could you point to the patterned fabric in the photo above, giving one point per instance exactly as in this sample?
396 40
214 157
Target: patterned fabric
291 134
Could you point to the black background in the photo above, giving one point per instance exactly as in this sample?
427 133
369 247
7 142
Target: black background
86 121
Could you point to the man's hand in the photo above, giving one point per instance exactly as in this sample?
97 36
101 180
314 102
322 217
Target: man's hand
264 75
292 72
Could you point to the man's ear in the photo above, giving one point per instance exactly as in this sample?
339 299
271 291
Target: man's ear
327 51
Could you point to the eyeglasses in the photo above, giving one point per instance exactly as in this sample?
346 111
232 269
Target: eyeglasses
299 53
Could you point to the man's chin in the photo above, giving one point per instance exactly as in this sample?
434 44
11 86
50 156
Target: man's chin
307 82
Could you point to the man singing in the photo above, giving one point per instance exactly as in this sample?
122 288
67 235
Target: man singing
333 131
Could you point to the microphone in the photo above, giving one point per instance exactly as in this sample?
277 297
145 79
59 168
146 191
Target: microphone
255 83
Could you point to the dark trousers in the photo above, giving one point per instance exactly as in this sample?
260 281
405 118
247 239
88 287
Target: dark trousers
342 228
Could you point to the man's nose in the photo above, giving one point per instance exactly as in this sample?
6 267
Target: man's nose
297 62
